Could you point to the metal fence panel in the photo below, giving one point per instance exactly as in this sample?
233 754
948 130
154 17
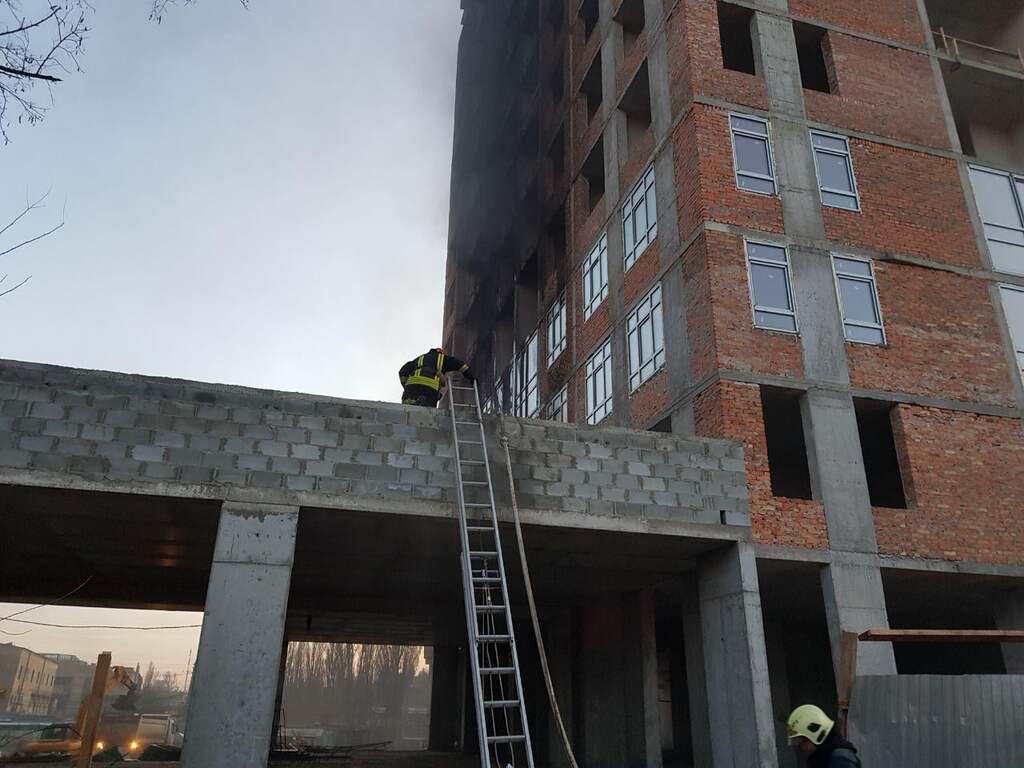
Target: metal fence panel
938 721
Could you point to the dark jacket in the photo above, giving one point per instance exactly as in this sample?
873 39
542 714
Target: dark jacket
834 752
421 378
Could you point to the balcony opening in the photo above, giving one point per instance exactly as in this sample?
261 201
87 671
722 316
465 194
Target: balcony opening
979 30
878 445
630 17
592 89
636 103
589 14
556 157
735 32
787 449
988 110
555 234
593 172
812 50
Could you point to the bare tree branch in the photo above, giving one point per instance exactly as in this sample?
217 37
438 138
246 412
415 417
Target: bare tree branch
32 25
14 288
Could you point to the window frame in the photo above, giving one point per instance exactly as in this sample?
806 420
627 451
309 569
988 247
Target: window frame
596 260
647 187
1018 354
767 138
871 281
561 400
855 194
607 406
526 381
1018 201
634 325
754 307
557 311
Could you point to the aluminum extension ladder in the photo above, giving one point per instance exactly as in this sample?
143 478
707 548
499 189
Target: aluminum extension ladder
497 684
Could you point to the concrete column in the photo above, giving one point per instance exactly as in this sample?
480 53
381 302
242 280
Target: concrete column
855 601
1010 615
735 660
614 736
644 721
696 683
447 686
231 708
775 642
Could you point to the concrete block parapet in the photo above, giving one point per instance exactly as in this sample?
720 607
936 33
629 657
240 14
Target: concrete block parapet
98 430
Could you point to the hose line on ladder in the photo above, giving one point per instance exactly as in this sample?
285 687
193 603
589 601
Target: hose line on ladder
533 607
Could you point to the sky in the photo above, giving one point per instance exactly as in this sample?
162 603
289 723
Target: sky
254 197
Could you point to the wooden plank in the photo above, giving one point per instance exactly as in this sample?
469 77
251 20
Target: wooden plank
845 676
93 709
943 635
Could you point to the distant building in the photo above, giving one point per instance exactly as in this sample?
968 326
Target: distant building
26 681
72 683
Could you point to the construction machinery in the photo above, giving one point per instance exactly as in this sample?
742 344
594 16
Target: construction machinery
497 685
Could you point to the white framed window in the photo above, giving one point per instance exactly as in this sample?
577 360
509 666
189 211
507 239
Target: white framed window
526 399
752 154
858 300
645 337
771 295
599 384
595 277
1000 198
1013 305
640 218
834 167
557 338
558 405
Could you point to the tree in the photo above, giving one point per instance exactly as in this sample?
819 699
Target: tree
30 207
38 47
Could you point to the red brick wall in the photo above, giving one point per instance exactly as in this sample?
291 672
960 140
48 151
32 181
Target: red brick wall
695 60
733 411
648 401
911 203
941 339
739 345
890 19
962 474
703 159
638 278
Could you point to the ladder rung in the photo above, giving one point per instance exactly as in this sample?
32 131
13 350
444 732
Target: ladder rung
462 389
464 405
511 739
486 504
474 482
487 579
471 423
493 638
497 670
480 528
472 461
468 442
501 704
490 609
483 553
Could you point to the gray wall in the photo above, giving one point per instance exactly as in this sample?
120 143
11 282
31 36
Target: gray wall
939 721
108 431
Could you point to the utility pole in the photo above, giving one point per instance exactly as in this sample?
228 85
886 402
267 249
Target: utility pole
93 710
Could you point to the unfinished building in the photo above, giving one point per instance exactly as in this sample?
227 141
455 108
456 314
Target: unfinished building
795 224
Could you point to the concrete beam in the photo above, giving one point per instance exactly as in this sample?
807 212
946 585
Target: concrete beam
696 682
231 706
735 660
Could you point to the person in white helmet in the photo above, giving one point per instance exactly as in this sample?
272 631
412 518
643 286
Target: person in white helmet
816 739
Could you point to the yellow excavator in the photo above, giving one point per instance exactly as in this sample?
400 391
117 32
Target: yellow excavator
65 739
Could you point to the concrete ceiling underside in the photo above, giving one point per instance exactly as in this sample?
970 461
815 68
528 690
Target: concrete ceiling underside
358 576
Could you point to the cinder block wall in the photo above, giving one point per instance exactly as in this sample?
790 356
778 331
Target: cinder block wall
60 426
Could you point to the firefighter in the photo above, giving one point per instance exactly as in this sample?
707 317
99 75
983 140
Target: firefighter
421 378
816 739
